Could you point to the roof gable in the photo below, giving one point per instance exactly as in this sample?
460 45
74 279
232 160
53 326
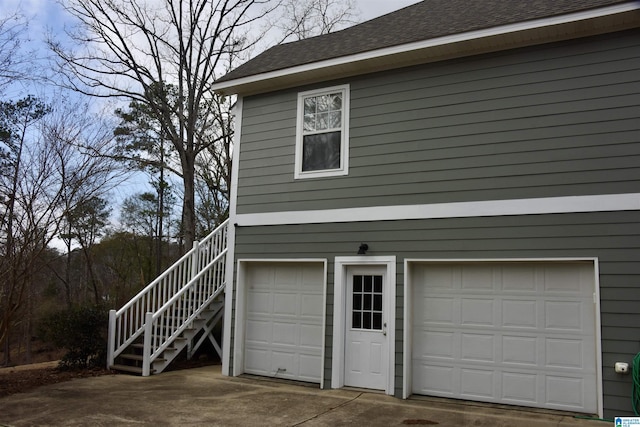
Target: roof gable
427 20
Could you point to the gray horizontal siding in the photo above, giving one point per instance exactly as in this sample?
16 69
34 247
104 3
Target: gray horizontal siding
612 237
544 121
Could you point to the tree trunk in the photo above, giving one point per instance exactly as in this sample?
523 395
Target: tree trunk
7 350
189 202
161 189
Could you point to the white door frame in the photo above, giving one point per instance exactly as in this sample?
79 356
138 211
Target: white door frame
240 313
408 293
340 312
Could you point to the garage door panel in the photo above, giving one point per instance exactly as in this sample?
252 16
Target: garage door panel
308 367
475 277
565 354
520 350
258 331
438 310
258 359
309 334
565 392
508 343
478 347
519 388
477 384
283 329
439 279
564 315
521 314
476 311
311 305
519 278
560 279
261 303
285 333
435 344
435 380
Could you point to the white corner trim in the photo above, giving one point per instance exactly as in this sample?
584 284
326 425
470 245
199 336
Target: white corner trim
231 239
435 42
598 309
487 208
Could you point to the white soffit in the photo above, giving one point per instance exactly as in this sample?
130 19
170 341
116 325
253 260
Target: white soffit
545 30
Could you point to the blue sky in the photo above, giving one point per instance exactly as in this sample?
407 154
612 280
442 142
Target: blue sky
47 16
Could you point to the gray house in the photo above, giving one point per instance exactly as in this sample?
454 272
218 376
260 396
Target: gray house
443 201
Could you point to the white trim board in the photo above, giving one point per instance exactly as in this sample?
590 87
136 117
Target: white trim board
231 240
231 86
487 208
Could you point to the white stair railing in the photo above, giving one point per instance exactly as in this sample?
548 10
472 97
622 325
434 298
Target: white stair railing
168 323
201 271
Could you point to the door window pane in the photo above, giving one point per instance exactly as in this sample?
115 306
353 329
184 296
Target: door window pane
367 302
357 320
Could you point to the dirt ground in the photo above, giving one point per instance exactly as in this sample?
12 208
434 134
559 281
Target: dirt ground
23 378
20 379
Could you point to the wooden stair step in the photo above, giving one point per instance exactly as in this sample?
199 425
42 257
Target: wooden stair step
130 369
139 357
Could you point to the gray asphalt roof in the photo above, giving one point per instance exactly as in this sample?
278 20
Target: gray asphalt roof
422 21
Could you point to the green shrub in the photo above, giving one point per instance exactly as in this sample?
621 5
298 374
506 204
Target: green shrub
82 332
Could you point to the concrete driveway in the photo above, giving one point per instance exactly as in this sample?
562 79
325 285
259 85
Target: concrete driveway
202 396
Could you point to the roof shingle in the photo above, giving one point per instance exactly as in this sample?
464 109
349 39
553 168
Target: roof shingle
423 21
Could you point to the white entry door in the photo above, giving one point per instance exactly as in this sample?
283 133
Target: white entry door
366 343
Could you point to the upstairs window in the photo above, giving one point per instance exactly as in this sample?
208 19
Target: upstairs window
322 137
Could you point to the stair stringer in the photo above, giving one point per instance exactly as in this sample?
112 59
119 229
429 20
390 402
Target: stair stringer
186 338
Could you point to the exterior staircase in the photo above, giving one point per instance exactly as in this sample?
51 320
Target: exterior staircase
179 310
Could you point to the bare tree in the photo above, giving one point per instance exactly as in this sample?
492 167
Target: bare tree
135 49
44 176
301 19
85 224
214 170
13 59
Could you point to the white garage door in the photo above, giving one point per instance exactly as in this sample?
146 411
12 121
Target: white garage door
283 333
512 333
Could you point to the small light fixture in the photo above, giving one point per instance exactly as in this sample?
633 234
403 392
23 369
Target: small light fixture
362 250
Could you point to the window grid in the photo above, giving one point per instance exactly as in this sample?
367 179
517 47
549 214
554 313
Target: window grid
367 302
322 113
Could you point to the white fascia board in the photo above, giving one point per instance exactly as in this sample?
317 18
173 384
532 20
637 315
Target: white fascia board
431 43
488 208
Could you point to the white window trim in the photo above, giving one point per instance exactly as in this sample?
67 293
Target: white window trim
344 137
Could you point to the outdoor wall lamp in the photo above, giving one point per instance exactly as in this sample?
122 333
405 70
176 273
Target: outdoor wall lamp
362 250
